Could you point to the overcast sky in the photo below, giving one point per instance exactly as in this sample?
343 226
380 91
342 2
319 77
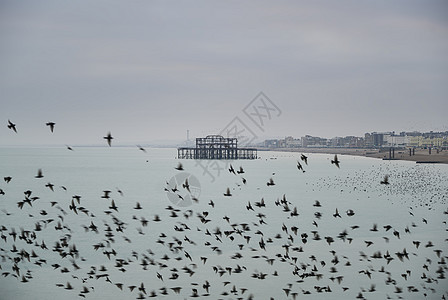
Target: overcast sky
149 70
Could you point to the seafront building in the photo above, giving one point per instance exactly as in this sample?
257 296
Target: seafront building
374 140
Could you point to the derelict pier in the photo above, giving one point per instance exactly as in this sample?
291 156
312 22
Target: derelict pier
216 147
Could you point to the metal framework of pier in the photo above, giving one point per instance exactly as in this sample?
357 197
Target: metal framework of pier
216 147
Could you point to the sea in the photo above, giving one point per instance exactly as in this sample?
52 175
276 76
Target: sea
126 223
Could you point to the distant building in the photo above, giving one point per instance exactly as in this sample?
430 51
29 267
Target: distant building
291 142
395 140
373 140
370 140
271 143
425 142
347 142
314 141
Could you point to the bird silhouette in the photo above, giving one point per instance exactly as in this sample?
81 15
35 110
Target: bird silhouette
51 124
185 185
385 180
109 139
39 174
227 193
335 161
240 171
304 158
12 126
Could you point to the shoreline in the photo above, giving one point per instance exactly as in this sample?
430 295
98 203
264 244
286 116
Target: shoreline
421 155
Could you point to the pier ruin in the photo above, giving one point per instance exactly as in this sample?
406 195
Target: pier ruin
216 147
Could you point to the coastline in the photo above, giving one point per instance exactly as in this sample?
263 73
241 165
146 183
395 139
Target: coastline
421 155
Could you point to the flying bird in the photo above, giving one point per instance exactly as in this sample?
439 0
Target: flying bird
186 185
12 126
304 158
335 160
385 180
270 182
227 193
51 124
109 139
141 148
179 167
231 169
39 174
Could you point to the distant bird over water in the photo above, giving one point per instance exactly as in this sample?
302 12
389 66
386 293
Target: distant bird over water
304 158
227 193
109 139
385 180
12 126
39 174
51 124
335 160
141 148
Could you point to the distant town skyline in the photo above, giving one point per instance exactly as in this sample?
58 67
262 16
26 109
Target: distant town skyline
403 139
149 71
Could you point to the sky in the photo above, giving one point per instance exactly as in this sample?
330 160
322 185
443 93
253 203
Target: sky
148 71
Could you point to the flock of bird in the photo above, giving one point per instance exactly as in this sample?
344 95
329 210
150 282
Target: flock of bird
285 248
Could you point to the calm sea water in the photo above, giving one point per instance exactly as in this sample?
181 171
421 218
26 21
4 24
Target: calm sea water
204 236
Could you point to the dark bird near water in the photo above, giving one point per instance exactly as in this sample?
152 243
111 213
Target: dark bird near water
240 171
186 185
385 180
350 213
12 126
179 167
336 214
39 174
335 160
231 169
51 124
113 206
141 148
304 158
227 193
299 166
270 182
109 139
